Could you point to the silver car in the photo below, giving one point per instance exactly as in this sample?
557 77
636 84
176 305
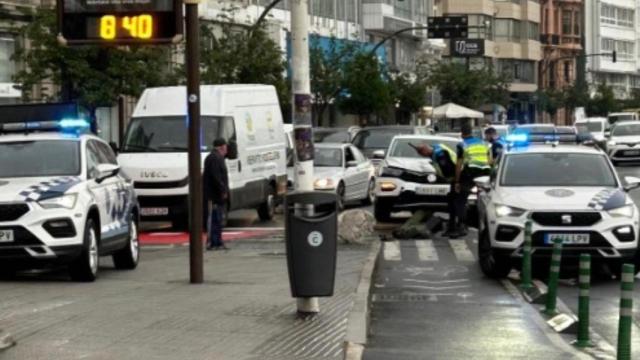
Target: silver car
343 169
624 142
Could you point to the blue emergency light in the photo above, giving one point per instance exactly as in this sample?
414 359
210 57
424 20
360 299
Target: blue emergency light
517 138
64 125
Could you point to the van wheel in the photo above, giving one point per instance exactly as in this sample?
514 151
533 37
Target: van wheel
127 258
85 268
267 210
492 265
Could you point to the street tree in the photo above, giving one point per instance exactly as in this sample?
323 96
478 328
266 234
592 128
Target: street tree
550 101
92 75
409 93
366 91
603 102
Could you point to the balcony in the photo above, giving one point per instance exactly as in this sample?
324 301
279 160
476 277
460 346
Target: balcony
550 39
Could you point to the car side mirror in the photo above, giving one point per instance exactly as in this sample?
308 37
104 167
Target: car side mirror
352 163
232 150
632 183
378 154
105 171
483 182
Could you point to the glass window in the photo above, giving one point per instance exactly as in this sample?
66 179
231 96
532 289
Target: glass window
331 136
576 24
480 27
566 22
557 169
105 153
534 31
507 30
626 130
7 66
39 158
377 138
608 14
93 159
327 157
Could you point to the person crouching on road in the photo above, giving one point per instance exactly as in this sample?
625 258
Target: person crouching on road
472 162
497 145
216 192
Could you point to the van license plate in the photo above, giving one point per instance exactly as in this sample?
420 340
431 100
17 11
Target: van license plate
154 211
568 239
6 236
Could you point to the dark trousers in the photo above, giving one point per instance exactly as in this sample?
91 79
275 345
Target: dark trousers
214 223
458 205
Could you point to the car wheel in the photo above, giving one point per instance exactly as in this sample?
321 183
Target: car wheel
85 267
492 265
267 210
127 258
340 193
371 193
382 210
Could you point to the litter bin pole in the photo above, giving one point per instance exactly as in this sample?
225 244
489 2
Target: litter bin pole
308 305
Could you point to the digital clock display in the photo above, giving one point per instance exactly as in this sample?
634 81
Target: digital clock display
119 21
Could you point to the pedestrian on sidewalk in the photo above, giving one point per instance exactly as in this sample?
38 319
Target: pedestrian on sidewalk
215 181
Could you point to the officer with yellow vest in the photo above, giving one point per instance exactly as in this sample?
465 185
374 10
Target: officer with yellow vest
442 157
472 162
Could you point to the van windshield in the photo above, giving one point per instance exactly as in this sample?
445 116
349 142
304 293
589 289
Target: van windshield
620 117
167 134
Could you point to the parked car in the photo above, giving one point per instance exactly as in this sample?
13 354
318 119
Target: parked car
343 169
624 142
334 135
374 141
593 128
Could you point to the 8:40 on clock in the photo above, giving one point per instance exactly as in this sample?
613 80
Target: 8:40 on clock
140 27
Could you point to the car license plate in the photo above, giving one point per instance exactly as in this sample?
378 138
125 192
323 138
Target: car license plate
154 211
568 239
432 190
632 152
6 236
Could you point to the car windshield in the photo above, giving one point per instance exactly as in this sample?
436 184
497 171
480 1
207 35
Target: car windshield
402 147
328 136
626 130
39 158
167 134
327 157
590 127
378 138
557 169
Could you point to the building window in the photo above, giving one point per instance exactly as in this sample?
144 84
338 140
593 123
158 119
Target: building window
625 17
566 22
520 71
614 15
625 49
608 14
576 24
534 31
478 27
507 30
7 66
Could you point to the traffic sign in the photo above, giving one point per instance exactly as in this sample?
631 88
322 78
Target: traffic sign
448 27
119 22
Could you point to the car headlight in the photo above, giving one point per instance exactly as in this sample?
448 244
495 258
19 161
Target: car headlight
391 172
66 201
611 143
623 211
504 211
324 184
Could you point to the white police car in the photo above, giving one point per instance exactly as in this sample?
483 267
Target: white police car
63 201
570 192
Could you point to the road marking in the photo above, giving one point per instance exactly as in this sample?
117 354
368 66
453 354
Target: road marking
392 251
442 288
461 250
426 250
436 281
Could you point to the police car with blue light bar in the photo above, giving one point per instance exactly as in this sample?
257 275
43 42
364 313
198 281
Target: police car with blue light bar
570 192
63 200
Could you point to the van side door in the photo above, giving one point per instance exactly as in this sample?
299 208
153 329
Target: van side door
235 166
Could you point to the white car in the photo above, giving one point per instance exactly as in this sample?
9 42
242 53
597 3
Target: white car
569 192
407 181
624 142
343 169
63 201
595 127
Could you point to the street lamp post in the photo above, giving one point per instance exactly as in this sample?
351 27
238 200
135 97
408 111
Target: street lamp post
264 14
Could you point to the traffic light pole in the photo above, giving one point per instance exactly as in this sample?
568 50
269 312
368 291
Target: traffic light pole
192 59
303 131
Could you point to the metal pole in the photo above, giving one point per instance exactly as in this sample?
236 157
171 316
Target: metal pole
120 119
554 274
625 322
302 121
192 59
584 280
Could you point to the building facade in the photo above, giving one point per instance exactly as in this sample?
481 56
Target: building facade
561 37
613 25
509 31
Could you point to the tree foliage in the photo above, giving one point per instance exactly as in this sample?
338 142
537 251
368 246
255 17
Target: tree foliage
92 75
408 92
603 102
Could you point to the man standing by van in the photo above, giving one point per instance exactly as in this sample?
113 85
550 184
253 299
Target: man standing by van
216 192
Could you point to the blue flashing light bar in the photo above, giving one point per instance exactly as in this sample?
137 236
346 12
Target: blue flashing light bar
74 124
65 125
517 138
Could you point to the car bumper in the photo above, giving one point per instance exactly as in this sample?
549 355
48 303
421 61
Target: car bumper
624 153
408 195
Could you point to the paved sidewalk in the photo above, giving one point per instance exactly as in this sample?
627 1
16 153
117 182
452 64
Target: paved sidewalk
243 311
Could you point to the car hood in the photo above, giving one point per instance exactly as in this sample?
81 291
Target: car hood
562 198
626 139
418 165
328 172
35 188
155 167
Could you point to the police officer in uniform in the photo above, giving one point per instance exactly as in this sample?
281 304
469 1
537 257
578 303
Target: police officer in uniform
472 162
497 145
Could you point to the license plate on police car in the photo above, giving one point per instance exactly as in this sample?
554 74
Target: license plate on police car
568 239
431 190
632 153
154 211
6 236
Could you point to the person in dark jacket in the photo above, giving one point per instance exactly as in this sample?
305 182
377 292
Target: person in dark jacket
216 192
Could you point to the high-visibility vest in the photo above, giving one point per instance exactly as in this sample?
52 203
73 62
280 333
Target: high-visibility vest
476 153
437 150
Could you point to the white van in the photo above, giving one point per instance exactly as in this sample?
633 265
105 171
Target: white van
613 118
154 151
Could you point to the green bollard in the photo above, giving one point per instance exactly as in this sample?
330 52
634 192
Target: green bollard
554 275
584 280
626 312
526 258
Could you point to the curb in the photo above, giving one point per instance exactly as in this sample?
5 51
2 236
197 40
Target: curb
6 341
358 320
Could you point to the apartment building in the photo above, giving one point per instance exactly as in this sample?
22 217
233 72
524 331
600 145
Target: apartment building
613 25
509 34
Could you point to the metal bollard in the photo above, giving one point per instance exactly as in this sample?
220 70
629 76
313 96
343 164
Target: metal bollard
584 279
626 312
554 274
526 258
